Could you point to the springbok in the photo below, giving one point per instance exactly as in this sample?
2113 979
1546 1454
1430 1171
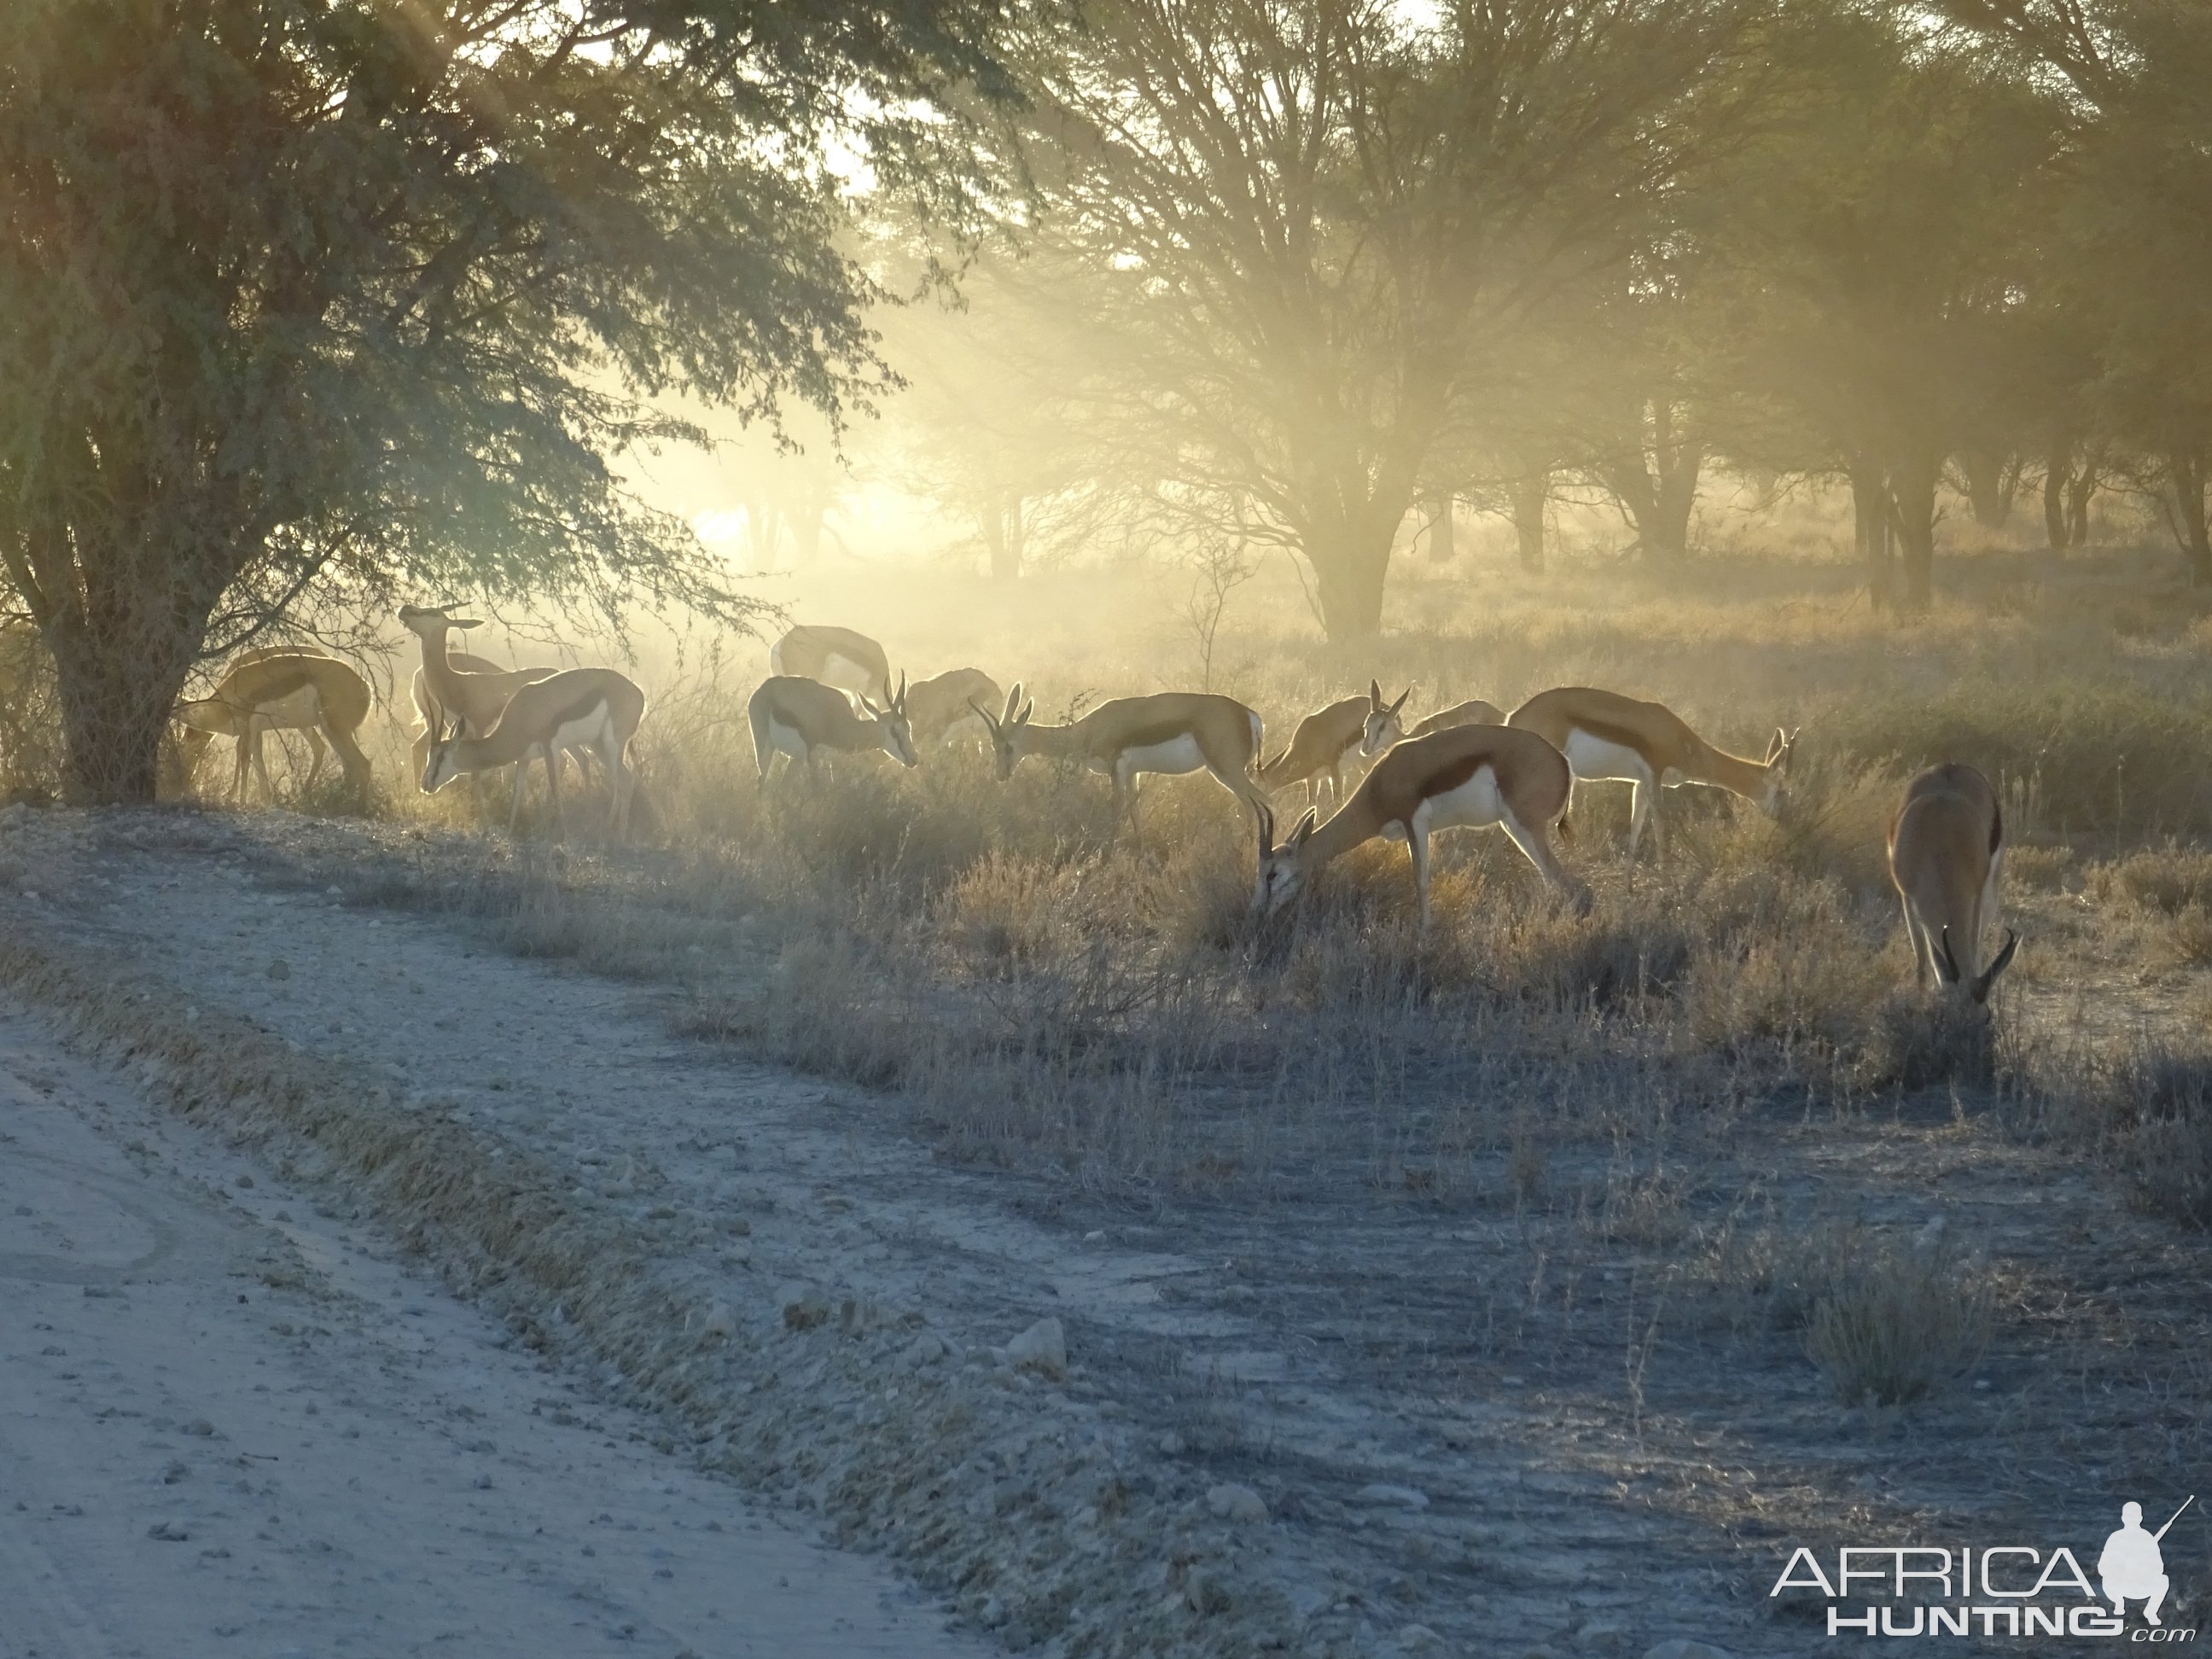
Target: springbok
1467 776
281 689
1607 737
803 718
835 656
1327 738
1168 733
470 689
1947 850
951 701
1473 712
594 708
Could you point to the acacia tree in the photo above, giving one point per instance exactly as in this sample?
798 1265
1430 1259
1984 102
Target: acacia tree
296 295
1317 224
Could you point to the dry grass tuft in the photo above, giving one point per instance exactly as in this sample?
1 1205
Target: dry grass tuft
1896 1324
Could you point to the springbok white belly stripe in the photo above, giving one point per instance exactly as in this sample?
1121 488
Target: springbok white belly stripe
1174 758
1473 806
1598 761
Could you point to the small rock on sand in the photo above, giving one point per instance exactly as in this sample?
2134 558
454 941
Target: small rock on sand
1231 1502
279 969
1042 1349
803 1304
1420 1639
720 1321
925 1350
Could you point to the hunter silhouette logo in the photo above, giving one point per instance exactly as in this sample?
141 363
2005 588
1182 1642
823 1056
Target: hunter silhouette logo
1997 1589
2131 1568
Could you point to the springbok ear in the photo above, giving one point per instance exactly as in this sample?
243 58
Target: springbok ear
1374 694
899 702
1266 816
1028 709
869 708
1014 701
1400 703
1307 819
465 621
2003 960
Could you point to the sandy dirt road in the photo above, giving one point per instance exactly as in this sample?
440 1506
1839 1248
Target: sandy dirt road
230 1425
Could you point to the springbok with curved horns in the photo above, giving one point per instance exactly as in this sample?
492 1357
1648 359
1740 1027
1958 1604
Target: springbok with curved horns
1947 850
1607 737
579 708
1326 739
951 702
1168 733
803 718
1468 776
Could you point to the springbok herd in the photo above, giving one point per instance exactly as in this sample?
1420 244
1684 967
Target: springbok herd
830 691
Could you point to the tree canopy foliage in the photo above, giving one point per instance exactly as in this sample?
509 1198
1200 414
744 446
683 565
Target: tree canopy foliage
301 294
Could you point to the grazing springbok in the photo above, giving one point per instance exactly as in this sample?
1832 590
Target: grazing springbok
1327 739
951 702
1168 733
803 718
1468 776
1611 738
452 684
281 689
1947 850
835 656
594 708
1473 712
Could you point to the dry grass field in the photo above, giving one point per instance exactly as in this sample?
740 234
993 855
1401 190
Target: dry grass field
1641 1243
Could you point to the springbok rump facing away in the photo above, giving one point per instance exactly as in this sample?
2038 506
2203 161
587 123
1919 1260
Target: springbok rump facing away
1473 712
1467 776
835 656
1328 737
594 708
1169 732
281 689
1947 852
804 718
951 703
1607 737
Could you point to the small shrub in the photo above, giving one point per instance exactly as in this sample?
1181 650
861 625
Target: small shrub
1900 1324
2169 879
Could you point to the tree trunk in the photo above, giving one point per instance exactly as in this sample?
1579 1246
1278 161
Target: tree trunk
1870 528
2056 472
2186 477
1988 487
806 534
2079 489
1351 565
1532 496
1912 493
1658 486
1442 543
118 681
1003 528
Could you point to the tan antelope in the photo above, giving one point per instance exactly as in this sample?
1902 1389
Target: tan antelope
951 702
1467 776
1168 733
281 689
1473 712
594 708
1327 738
432 713
804 718
1608 738
1947 850
835 656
